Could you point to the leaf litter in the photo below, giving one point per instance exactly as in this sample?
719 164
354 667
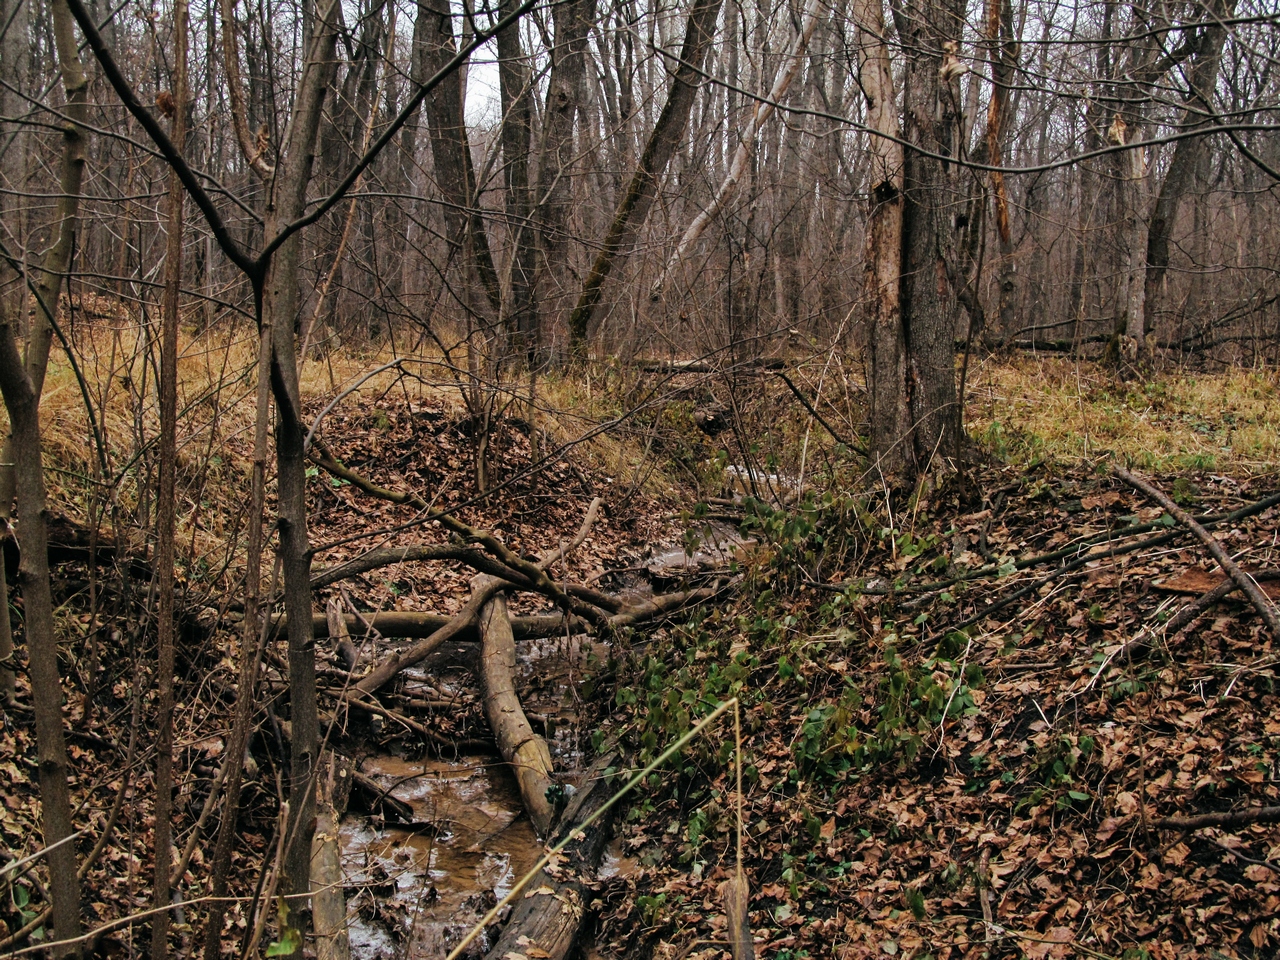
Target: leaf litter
932 767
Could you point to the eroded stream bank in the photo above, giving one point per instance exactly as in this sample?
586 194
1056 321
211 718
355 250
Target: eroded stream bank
414 892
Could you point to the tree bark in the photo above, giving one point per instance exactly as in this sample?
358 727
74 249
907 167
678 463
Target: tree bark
1187 163
933 122
566 92
521 320
890 407
21 383
524 750
279 306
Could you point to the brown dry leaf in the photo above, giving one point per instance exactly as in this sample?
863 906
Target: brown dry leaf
1104 499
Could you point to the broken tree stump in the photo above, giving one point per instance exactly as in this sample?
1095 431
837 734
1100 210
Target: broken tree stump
549 915
328 905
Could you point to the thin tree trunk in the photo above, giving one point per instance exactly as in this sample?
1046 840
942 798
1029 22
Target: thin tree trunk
246 698
1004 61
280 314
521 321
1187 156
167 506
21 383
746 144
639 195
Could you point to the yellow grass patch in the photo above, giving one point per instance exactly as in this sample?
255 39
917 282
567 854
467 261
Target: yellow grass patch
1060 409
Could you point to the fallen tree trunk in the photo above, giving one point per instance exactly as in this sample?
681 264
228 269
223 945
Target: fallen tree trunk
464 626
523 749
547 920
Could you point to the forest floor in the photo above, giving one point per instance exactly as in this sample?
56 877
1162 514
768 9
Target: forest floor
964 715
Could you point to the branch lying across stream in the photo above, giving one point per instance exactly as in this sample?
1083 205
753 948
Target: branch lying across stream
535 575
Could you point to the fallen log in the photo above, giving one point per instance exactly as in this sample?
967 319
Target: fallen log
524 750
527 752
664 604
411 625
547 920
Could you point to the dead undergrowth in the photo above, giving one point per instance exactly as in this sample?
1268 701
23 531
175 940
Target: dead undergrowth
942 764
917 758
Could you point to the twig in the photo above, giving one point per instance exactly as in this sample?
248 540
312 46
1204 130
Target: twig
1250 588
1189 614
1233 818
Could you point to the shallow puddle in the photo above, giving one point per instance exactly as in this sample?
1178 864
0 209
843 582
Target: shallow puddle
413 896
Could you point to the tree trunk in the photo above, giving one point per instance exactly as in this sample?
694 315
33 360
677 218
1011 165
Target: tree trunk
890 409
746 143
1004 61
21 382
931 188
279 305
1187 157
246 687
566 92
451 150
658 150
167 506
521 321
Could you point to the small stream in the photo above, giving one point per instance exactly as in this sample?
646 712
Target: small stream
413 894
417 894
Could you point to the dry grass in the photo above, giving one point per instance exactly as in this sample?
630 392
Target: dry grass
1062 410
1021 410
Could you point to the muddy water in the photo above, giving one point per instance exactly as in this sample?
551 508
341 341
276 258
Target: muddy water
413 895
417 894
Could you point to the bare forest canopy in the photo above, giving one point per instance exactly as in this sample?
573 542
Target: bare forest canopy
1115 165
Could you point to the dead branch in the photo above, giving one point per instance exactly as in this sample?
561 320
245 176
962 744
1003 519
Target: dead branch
1245 582
465 620
414 553
1234 818
537 577
1190 613
662 605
